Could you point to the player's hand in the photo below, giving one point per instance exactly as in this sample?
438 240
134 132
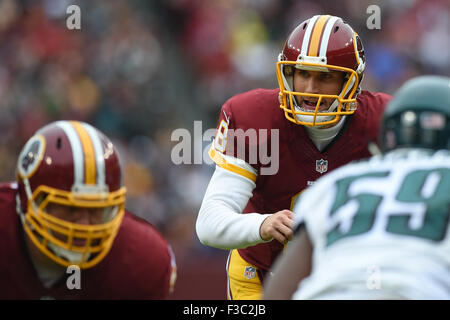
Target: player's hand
278 226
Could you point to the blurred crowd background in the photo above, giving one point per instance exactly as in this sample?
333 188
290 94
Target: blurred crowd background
140 69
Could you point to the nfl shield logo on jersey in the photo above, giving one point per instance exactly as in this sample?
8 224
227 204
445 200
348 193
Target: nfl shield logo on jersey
249 272
321 165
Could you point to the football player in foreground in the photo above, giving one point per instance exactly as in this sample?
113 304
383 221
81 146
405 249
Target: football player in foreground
325 121
64 230
379 229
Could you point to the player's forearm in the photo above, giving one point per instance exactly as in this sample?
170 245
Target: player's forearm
220 222
222 228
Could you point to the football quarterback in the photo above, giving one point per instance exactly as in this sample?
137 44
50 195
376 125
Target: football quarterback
316 121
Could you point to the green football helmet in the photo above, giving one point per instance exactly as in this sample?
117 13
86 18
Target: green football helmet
418 116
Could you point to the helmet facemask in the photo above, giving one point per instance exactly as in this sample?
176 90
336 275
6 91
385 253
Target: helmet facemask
344 103
69 243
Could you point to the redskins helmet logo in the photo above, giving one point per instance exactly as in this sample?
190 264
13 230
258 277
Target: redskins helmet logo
31 156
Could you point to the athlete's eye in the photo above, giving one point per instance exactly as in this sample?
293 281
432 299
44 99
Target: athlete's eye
302 73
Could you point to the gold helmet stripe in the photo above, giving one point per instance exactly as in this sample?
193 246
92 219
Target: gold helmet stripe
77 150
326 35
100 155
90 170
316 36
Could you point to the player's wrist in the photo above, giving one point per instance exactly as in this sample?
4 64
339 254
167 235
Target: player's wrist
264 235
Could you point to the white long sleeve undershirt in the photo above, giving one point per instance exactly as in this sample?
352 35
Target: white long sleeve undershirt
220 222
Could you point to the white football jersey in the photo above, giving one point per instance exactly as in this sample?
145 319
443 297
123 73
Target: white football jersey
380 229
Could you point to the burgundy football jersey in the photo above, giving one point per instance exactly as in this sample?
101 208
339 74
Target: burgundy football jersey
247 122
139 265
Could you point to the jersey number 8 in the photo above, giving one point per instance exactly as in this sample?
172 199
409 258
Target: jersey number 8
220 142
